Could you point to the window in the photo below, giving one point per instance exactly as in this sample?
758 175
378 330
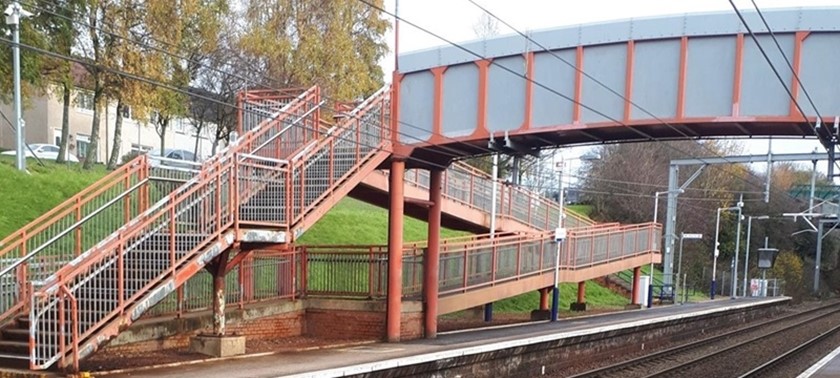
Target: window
84 100
57 139
153 116
82 145
140 147
49 149
126 112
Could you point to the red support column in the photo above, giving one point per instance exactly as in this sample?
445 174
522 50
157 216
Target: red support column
395 246
581 297
637 272
432 259
544 299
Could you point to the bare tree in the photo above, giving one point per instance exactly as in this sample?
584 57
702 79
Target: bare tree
486 26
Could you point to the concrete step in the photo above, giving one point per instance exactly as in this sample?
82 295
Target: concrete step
14 347
16 334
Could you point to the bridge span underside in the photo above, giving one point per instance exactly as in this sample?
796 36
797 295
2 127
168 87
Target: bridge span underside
692 76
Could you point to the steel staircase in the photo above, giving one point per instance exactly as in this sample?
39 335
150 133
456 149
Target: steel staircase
82 287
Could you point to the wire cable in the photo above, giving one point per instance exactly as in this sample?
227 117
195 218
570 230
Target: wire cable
584 73
524 77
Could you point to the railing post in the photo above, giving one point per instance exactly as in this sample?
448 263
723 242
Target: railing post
127 202
172 230
78 245
121 275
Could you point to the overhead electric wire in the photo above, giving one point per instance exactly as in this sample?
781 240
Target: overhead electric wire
778 75
185 92
524 77
784 55
455 153
608 88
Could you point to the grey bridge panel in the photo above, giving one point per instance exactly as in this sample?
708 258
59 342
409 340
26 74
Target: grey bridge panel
460 100
761 92
416 112
820 75
711 70
655 80
709 80
550 109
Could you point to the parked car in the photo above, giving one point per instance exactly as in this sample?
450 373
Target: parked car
42 151
171 156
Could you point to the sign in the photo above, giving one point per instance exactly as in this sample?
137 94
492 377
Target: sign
692 236
558 166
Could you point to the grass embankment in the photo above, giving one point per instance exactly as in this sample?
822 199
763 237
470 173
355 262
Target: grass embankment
23 197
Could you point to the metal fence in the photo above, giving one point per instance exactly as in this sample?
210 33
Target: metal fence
474 188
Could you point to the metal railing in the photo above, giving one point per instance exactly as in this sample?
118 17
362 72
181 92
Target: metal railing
151 247
292 188
360 272
474 188
264 275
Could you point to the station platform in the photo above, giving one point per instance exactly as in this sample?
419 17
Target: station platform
828 366
448 346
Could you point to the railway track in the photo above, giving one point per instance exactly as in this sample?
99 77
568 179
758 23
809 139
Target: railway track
682 359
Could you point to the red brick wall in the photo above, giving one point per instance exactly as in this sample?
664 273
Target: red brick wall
337 324
342 324
268 327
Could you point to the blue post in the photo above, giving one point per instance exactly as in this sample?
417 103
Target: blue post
650 293
712 296
488 312
555 303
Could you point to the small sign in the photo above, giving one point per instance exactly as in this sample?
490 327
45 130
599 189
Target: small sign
692 236
559 234
558 166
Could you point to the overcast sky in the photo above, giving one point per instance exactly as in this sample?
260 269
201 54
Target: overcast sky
455 20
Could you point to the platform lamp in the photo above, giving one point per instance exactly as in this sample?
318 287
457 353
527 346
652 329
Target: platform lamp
560 232
717 243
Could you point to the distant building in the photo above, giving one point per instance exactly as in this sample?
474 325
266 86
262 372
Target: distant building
43 116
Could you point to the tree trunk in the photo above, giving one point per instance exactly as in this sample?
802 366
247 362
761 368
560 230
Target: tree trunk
65 125
115 149
197 142
163 125
90 157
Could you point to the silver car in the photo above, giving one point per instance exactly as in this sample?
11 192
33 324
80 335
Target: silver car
43 151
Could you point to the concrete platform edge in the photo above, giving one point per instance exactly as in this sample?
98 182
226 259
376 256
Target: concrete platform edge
428 357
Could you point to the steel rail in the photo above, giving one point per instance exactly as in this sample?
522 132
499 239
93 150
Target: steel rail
616 368
671 372
764 368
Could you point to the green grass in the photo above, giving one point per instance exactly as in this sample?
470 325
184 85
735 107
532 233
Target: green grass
584 210
355 222
24 197
597 296
27 196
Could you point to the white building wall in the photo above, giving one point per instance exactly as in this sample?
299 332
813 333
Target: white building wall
43 117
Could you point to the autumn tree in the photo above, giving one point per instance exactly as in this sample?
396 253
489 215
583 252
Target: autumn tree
334 44
58 20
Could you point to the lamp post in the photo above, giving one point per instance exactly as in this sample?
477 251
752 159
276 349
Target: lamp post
14 12
655 218
560 232
717 243
684 236
747 256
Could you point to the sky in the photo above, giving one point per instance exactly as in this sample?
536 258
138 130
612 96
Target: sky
455 20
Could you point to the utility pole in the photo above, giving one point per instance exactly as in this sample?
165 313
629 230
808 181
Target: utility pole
14 13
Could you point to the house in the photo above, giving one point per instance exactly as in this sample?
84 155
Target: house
43 115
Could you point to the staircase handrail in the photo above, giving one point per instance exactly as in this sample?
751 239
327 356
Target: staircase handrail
380 99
